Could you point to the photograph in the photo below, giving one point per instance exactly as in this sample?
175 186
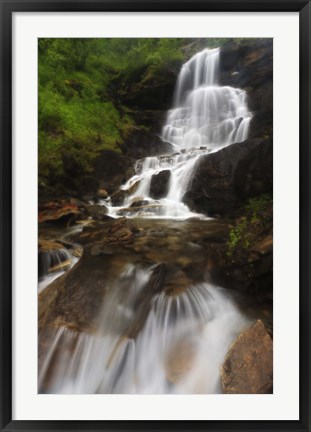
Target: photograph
155 216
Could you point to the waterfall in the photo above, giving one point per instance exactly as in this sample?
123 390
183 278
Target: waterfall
160 342
206 114
182 342
205 118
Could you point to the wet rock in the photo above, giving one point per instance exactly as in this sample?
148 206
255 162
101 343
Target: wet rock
102 193
159 185
77 202
132 189
248 366
100 249
74 299
176 283
60 212
118 197
139 202
139 210
97 212
224 180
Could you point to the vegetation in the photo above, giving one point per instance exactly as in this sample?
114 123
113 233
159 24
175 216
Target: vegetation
256 213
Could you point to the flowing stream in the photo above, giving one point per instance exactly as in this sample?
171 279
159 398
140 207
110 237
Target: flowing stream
184 337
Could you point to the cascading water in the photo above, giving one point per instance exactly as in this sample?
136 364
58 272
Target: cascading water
180 340
206 114
206 117
179 349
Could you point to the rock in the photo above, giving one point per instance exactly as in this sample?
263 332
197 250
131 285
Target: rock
102 193
132 189
224 180
77 202
58 212
176 283
97 212
248 366
99 249
142 144
150 208
254 172
118 197
159 185
74 299
264 246
112 169
139 202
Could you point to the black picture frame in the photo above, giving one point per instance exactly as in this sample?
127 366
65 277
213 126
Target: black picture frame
7 9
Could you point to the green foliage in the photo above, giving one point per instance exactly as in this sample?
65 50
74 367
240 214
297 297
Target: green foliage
238 236
241 235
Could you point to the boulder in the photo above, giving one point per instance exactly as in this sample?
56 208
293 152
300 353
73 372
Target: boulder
159 184
224 180
97 212
248 366
118 197
102 193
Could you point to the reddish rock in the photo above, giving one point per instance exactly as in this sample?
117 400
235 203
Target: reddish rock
248 366
55 211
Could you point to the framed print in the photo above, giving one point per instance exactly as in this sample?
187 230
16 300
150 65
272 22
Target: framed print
155 215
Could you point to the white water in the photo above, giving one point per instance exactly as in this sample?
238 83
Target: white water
184 338
178 351
206 117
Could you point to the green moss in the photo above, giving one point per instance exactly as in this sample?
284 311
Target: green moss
258 204
238 236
